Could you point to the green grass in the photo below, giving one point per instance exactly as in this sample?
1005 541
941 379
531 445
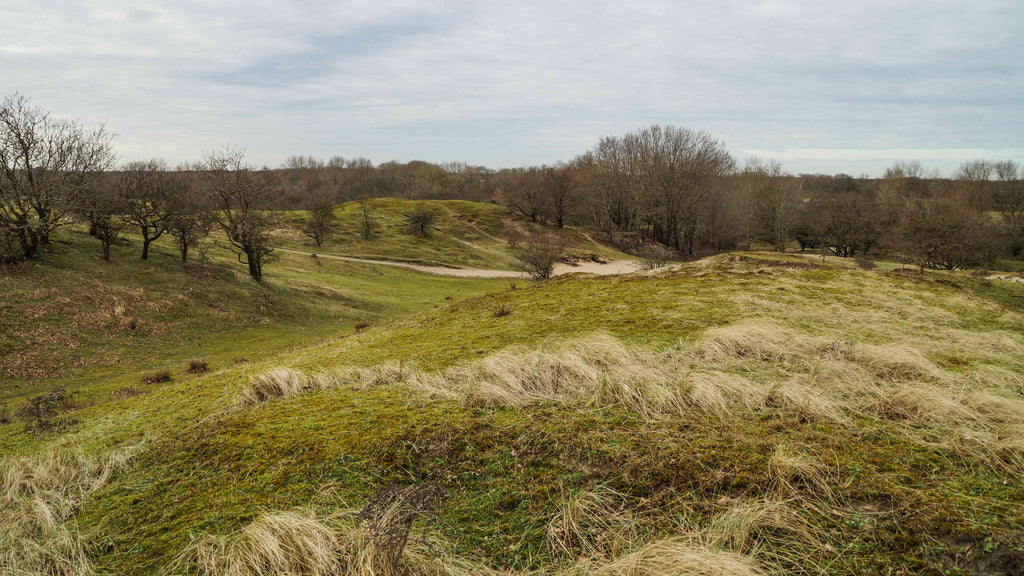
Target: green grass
65 319
467 234
210 465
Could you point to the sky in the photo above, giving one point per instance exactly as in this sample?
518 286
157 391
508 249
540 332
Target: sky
824 87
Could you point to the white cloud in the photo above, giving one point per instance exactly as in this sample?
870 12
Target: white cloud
504 83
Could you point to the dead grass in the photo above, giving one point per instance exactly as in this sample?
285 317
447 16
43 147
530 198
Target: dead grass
38 496
275 383
301 543
974 408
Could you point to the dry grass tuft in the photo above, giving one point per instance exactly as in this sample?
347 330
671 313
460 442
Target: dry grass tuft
38 495
748 367
275 383
294 543
197 367
770 531
795 471
300 543
673 557
595 523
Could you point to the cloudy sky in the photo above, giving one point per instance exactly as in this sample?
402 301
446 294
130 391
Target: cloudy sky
823 86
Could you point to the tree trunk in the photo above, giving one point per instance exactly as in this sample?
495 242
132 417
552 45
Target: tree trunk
145 247
254 265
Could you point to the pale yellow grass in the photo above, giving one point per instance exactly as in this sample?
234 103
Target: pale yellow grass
38 496
752 365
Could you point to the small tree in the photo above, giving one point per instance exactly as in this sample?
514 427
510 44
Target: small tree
150 194
190 219
538 257
103 209
240 200
421 221
320 225
368 221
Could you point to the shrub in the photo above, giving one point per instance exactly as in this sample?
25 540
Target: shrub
39 413
421 221
126 393
864 261
503 310
197 367
654 256
538 257
157 377
360 326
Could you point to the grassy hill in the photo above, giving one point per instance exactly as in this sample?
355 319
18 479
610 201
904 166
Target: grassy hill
97 329
742 414
466 234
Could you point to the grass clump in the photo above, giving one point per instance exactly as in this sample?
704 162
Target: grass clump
160 377
197 367
275 383
38 495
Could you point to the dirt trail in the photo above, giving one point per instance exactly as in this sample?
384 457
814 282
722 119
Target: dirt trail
612 267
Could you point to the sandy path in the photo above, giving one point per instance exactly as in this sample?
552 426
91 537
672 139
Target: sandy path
612 267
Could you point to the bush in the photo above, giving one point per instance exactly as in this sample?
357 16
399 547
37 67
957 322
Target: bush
157 377
421 221
864 261
654 256
197 367
40 412
503 310
360 326
538 257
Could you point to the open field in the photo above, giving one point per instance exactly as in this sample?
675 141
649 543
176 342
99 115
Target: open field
742 414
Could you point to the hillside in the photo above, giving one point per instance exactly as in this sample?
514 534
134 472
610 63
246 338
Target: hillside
738 415
466 234
97 329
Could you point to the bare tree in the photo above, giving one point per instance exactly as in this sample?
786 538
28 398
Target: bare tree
973 182
1008 196
944 234
368 218
190 220
239 200
657 180
560 193
149 193
45 164
846 224
103 209
524 193
321 221
538 256
774 201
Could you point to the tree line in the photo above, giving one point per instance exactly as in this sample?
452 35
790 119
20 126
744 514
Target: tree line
661 185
